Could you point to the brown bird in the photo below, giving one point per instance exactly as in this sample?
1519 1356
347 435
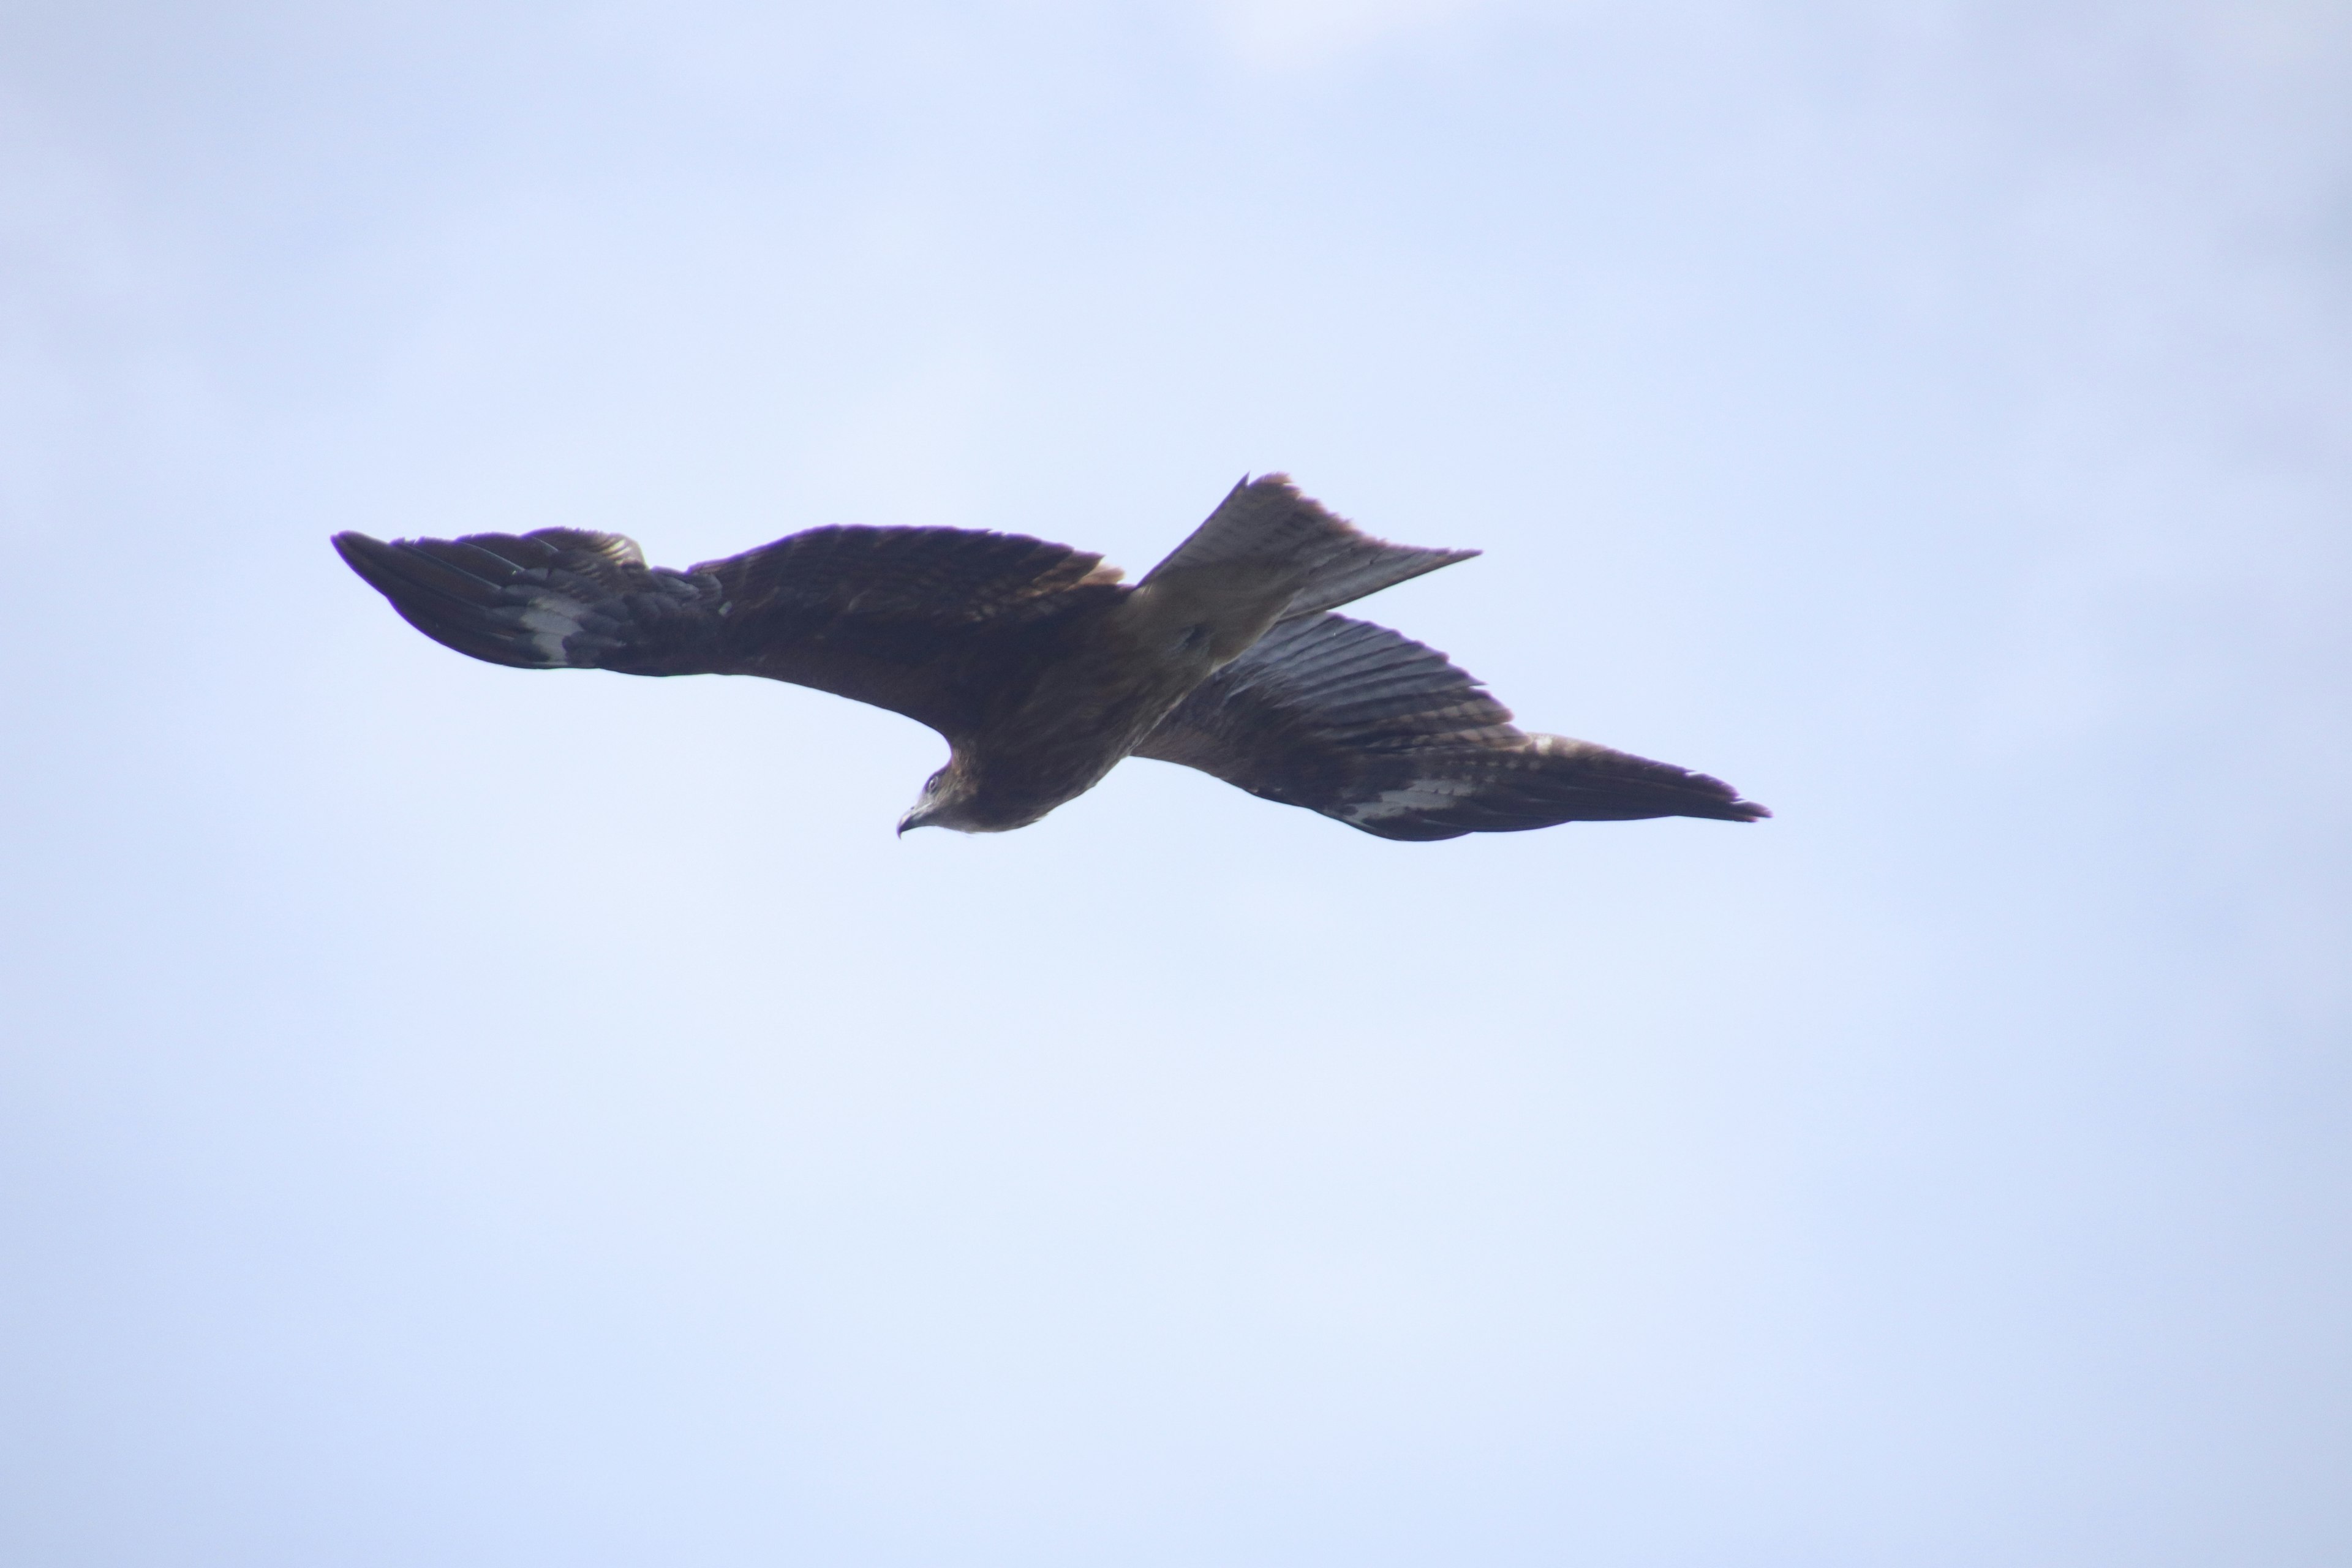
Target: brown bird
1043 670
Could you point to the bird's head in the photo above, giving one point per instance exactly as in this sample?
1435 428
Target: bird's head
944 803
957 797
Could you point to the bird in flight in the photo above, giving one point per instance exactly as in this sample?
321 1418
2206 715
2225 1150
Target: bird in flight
1043 670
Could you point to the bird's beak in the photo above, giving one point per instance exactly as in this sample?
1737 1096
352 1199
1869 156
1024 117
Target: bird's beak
914 818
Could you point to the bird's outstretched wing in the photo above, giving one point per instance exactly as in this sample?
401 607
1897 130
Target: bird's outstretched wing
922 621
1360 723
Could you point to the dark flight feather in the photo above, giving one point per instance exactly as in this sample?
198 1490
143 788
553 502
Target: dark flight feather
1374 730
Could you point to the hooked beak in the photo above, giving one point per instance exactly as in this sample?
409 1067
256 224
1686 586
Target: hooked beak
914 818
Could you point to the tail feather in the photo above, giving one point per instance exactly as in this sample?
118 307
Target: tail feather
1266 530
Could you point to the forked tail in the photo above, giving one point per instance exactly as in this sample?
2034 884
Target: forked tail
1266 534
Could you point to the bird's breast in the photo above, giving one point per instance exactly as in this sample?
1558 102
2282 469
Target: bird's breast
1084 712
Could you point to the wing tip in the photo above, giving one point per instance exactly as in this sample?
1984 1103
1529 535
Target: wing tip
376 562
351 544
446 603
1727 805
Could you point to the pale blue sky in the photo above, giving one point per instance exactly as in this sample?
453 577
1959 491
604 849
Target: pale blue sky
454 1115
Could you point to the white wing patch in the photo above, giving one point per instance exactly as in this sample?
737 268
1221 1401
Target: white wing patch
1421 795
551 620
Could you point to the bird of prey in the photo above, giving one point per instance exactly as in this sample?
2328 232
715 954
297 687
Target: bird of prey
1043 670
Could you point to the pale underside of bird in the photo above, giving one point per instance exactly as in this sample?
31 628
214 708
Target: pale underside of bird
1044 670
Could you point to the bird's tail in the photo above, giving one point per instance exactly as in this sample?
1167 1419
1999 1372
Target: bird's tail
1265 527
1268 554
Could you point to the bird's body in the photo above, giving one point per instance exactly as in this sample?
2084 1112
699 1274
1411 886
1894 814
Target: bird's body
1088 687
1044 670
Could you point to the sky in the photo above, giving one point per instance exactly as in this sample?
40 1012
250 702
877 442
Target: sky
462 1115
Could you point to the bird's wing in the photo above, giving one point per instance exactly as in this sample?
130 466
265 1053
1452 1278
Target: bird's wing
1360 723
905 618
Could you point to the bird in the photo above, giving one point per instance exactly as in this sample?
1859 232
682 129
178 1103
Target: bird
1043 669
